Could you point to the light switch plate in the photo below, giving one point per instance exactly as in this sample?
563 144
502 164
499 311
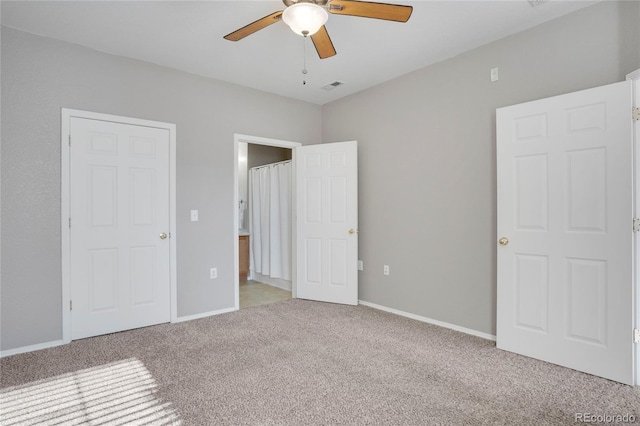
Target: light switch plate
194 215
494 74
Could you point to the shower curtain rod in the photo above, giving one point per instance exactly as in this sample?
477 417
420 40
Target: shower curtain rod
269 165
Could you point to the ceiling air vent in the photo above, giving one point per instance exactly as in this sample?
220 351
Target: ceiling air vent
333 85
535 3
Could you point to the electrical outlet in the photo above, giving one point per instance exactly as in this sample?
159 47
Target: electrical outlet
360 265
194 215
385 269
213 273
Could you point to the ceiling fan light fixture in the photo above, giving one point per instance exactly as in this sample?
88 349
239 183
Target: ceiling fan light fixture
305 19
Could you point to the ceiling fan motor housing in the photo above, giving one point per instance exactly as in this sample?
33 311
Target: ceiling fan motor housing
292 2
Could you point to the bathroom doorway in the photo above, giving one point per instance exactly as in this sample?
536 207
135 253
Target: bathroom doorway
264 221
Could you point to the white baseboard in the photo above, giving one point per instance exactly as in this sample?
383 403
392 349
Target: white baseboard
31 348
430 321
204 315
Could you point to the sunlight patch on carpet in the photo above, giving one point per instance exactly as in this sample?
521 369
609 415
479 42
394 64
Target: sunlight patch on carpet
118 393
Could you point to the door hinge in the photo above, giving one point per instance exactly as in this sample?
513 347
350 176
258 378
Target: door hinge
635 113
636 335
70 223
69 140
636 225
71 305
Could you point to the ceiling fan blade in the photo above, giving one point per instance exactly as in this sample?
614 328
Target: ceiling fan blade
254 26
323 43
366 9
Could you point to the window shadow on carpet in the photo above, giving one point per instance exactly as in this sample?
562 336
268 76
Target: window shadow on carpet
118 393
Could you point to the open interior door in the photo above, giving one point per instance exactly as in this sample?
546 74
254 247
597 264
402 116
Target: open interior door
327 222
565 237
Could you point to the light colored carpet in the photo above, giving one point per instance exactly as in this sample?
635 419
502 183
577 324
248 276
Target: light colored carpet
299 363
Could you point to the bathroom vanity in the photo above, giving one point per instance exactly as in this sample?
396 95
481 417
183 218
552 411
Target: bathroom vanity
243 253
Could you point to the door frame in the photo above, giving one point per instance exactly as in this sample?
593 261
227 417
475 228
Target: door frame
634 77
66 115
258 140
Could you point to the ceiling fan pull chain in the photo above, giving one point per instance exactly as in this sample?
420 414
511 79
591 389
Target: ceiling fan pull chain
304 57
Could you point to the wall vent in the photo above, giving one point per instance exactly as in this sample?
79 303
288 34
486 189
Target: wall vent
535 3
333 85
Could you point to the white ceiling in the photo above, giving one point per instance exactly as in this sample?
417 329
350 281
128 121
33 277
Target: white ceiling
187 35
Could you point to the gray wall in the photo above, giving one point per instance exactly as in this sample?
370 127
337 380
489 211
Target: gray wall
39 77
427 157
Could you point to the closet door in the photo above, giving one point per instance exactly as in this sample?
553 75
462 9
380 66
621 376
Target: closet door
119 227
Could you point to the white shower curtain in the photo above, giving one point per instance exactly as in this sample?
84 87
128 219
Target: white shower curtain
270 220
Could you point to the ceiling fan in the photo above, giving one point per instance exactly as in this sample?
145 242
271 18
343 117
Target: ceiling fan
307 18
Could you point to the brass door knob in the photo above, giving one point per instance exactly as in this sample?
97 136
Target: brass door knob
503 241
353 231
163 236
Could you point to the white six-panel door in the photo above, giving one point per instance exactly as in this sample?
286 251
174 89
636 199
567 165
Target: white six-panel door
119 209
565 287
327 222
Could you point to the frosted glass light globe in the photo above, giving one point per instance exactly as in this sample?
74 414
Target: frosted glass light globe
305 17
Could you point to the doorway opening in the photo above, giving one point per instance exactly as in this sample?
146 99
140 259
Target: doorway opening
264 220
